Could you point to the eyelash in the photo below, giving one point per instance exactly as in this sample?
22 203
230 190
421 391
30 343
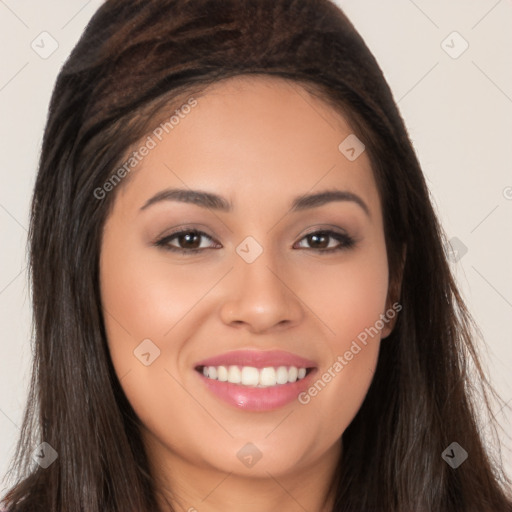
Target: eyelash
346 241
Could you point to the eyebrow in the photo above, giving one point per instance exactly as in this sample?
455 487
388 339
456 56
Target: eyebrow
216 202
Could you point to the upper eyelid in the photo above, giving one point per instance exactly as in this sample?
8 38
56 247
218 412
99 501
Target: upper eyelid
189 230
313 229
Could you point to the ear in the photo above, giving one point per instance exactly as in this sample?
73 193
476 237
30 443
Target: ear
393 305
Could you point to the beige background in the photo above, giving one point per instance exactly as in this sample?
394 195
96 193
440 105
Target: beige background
457 109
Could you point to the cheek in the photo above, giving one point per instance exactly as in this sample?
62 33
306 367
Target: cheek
349 298
146 297
351 303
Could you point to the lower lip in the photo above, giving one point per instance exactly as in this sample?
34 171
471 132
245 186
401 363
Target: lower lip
257 399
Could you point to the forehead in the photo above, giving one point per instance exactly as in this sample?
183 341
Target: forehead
253 136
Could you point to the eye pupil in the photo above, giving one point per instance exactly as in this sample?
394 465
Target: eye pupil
188 237
316 236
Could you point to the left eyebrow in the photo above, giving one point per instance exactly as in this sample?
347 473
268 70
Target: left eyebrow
216 202
315 200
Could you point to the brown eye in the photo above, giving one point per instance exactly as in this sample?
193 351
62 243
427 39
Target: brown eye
318 240
188 241
321 241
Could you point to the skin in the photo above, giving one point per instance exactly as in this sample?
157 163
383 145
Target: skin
259 142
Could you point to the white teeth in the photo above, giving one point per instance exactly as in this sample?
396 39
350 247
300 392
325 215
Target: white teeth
234 375
267 377
282 375
250 376
222 373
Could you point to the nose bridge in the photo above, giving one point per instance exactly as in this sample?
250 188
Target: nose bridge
258 294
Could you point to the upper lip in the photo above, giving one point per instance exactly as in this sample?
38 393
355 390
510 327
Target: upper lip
257 359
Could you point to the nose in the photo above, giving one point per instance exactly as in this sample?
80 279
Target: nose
261 297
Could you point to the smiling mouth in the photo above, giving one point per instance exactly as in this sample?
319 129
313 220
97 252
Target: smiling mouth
250 376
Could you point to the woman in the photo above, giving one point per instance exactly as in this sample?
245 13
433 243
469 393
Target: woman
309 350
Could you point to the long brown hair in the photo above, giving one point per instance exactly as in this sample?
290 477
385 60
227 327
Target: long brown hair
134 57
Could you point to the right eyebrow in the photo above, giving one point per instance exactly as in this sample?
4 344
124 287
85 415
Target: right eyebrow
197 197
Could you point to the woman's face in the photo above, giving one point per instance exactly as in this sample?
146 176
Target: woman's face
265 299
